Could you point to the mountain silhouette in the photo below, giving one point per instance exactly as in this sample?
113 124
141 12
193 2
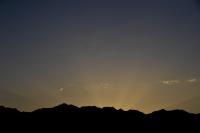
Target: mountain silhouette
63 108
69 117
5 110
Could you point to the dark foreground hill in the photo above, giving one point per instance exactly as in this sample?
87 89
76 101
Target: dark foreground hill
93 119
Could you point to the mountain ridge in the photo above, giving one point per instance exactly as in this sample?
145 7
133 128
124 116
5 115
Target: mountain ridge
65 107
105 118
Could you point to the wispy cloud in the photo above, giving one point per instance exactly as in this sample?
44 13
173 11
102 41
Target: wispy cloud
173 82
192 80
170 82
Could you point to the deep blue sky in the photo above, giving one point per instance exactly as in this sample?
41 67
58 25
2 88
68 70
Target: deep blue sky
141 54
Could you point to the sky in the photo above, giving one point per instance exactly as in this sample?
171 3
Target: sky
129 54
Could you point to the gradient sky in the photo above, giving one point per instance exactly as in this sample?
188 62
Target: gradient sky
130 54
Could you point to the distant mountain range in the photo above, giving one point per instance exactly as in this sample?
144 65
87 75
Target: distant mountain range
106 118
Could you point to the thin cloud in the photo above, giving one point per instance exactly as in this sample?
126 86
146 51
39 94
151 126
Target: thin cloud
170 82
173 82
192 80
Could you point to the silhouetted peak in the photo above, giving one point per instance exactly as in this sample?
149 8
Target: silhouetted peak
65 106
178 111
62 108
171 112
121 110
135 112
162 111
8 110
158 114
